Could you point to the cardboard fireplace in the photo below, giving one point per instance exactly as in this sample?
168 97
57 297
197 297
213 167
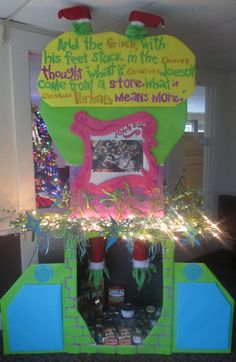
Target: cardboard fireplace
115 106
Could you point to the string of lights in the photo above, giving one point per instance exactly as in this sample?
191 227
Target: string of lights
184 221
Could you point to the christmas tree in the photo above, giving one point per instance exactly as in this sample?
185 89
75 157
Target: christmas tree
47 183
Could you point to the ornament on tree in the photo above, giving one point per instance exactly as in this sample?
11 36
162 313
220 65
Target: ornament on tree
141 263
81 17
47 183
97 261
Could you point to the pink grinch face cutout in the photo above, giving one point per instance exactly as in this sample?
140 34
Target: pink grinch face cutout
116 152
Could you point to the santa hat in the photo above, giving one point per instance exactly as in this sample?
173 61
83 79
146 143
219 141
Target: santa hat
145 19
96 262
96 252
80 13
140 254
141 263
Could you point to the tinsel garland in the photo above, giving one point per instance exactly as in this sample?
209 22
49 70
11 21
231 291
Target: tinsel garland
55 225
185 221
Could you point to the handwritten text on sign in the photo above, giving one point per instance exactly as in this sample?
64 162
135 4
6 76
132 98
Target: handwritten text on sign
110 70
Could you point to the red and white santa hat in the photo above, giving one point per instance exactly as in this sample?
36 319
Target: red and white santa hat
142 19
140 254
80 13
96 253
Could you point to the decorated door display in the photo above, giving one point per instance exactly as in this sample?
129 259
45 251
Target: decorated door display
115 106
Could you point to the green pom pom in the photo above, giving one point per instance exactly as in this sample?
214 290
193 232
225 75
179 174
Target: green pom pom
84 28
135 32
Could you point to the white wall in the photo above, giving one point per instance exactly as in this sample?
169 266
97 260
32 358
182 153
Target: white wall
220 149
227 137
217 104
8 172
216 114
16 157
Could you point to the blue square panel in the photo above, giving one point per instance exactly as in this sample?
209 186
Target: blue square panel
35 319
203 317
